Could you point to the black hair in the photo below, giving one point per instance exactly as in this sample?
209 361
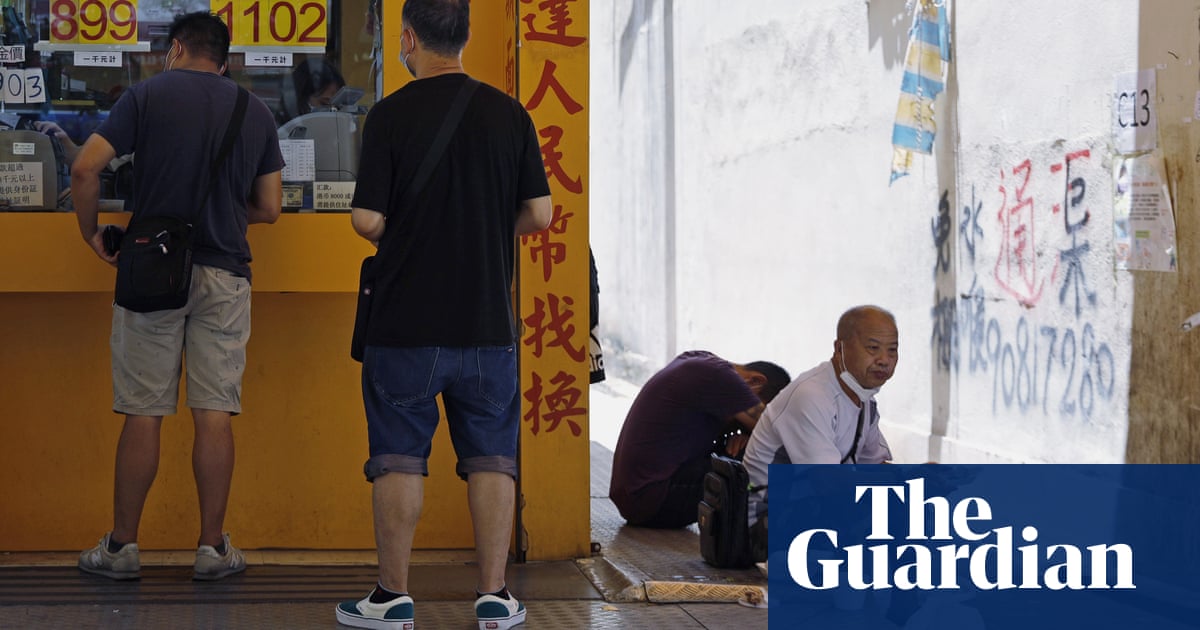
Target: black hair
443 26
312 76
777 378
203 34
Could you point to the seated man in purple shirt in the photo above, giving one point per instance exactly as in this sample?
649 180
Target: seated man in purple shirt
673 426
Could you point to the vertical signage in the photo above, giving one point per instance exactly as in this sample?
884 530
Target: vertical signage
553 86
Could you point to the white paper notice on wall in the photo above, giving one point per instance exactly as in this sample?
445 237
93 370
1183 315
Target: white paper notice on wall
1135 112
1143 218
1196 108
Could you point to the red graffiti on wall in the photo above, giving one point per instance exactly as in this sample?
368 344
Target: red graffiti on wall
1016 264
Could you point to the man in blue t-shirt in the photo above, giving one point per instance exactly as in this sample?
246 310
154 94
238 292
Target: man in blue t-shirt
676 422
174 123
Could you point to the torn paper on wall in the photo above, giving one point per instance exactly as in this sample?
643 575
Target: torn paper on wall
1143 220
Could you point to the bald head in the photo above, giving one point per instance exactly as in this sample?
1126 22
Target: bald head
867 345
854 319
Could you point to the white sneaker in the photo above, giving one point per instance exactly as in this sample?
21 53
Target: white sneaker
495 613
394 615
211 565
122 565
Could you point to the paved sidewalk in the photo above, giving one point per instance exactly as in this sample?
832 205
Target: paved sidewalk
299 589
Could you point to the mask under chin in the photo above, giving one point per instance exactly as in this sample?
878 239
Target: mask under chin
863 393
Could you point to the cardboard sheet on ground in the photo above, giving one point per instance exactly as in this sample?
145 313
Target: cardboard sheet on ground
1143 220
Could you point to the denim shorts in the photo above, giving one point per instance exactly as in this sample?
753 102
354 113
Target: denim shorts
211 332
479 391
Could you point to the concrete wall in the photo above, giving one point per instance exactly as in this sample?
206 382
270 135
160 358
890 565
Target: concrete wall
1164 375
1040 345
741 202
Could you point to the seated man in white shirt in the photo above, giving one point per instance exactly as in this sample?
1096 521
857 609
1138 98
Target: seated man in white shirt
827 415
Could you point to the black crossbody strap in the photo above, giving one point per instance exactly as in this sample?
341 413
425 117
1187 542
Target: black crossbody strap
852 456
231 133
449 125
234 127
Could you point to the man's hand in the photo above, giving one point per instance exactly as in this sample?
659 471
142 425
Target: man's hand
97 243
735 444
70 149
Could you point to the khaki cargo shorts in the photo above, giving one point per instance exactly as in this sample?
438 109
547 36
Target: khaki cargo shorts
148 349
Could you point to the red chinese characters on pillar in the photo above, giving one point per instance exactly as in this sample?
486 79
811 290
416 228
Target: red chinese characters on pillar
548 24
549 82
545 246
553 159
560 404
551 27
510 71
552 318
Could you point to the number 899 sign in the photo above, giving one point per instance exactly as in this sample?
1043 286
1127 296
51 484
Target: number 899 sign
274 23
93 22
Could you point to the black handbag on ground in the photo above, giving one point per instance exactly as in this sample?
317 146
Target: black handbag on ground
723 514
154 266
366 272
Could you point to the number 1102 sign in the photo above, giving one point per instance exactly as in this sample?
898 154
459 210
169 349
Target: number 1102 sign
274 23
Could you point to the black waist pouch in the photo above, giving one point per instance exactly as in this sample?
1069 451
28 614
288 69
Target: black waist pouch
154 267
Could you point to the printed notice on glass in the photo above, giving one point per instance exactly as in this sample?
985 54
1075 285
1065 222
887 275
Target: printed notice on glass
269 59
332 195
22 184
99 59
1143 220
1135 112
300 159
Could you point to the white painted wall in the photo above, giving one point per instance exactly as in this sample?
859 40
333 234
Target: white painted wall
1042 371
740 203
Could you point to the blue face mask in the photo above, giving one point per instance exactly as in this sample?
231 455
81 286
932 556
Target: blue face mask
848 379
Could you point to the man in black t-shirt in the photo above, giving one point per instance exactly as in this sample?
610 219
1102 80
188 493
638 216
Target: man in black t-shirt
442 319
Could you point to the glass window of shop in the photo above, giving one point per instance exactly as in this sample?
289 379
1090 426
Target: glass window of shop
63 63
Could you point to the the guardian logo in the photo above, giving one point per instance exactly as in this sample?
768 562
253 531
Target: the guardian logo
974 554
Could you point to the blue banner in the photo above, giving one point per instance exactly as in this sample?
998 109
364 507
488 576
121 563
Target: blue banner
1102 547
